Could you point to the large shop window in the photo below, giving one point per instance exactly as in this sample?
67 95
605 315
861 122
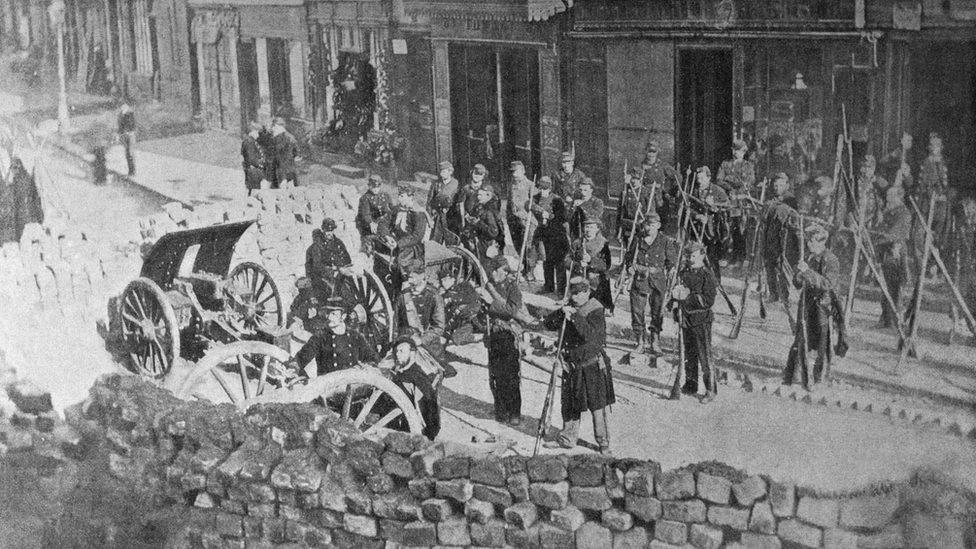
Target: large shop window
142 37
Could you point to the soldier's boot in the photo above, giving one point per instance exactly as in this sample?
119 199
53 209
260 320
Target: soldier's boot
639 345
655 344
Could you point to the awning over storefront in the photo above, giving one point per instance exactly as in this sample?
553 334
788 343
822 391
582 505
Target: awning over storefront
505 10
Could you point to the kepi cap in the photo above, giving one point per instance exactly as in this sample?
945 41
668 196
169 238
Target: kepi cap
578 284
278 121
817 232
652 146
694 246
444 165
329 224
479 169
545 182
515 164
567 157
375 180
334 304
405 189
739 145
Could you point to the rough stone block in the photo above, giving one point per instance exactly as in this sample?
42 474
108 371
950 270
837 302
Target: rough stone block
404 443
495 495
264 510
274 529
423 461
229 525
30 398
553 537
436 510
359 502
762 520
488 470
836 538
705 537
522 539
380 483
593 535
721 515
479 511
260 493
890 536
590 498
714 489
397 465
549 495
295 531
586 470
749 490
617 520
521 515
491 534
795 531
454 532
290 512
645 508
692 510
753 540
460 490
452 467
518 487
869 512
569 518
546 468
669 531
819 511
331 496
391 530
675 485
782 497
360 525
421 488
635 538
419 533
640 481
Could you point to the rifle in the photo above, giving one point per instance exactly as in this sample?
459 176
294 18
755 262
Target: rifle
906 346
699 236
801 322
630 241
737 326
676 384
525 234
620 203
673 276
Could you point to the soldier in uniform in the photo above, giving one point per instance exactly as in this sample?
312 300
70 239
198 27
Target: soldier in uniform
708 206
585 207
403 233
466 198
899 160
649 263
373 205
668 181
872 188
337 348
737 177
587 383
550 241
462 307
589 257
633 205
821 202
254 158
933 183
325 258
419 378
440 197
780 223
567 179
420 308
519 192
694 295
817 275
482 226
285 153
504 301
891 243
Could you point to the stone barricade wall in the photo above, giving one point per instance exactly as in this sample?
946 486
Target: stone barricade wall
294 475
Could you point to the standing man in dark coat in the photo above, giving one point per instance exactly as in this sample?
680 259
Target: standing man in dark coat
589 257
127 135
504 301
649 262
709 208
373 205
695 295
440 197
566 181
519 192
482 226
587 383
737 177
817 276
632 207
419 378
420 308
285 153
780 223
550 241
891 243
337 348
466 199
403 232
586 207
254 158
654 170
325 258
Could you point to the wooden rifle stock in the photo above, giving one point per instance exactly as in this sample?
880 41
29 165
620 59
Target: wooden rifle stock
737 326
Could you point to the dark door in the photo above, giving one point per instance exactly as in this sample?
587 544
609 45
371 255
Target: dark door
704 96
279 76
247 68
416 115
520 109
474 107
590 138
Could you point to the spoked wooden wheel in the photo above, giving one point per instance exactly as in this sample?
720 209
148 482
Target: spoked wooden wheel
149 330
371 294
255 297
363 396
465 268
238 373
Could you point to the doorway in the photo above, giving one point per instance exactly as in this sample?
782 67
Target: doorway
704 97
247 69
279 76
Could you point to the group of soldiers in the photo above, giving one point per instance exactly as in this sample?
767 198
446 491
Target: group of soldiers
269 156
676 234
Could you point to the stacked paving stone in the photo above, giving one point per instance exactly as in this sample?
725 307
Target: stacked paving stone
289 475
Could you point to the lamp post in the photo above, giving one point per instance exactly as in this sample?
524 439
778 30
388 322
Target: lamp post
56 13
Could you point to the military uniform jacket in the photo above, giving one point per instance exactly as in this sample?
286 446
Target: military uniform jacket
486 227
933 176
371 208
635 200
566 184
424 313
820 280
894 231
697 307
408 228
652 262
519 193
550 225
664 175
597 248
252 153
324 257
285 151
780 223
468 196
737 177
441 193
592 208
336 352
587 385
873 198
506 305
713 227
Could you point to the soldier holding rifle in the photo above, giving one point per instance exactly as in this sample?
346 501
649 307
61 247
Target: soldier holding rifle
649 263
708 206
549 240
585 207
780 221
736 177
891 243
633 204
654 170
694 295
590 257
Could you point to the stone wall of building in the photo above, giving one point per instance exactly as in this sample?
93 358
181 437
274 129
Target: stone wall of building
291 475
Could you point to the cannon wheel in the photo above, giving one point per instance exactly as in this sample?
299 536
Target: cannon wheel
149 330
236 372
262 300
372 295
467 267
